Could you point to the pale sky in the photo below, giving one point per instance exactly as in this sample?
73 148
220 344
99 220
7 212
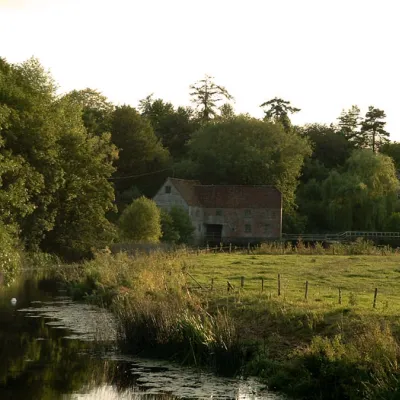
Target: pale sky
322 55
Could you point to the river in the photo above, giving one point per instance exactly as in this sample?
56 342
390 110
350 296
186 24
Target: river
53 348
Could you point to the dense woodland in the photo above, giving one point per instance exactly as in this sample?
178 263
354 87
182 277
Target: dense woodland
70 164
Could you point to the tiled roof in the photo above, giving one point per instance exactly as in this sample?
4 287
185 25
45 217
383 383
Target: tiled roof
186 188
238 196
227 196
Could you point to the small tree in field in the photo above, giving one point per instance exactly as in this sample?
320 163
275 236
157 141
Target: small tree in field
169 233
182 224
140 221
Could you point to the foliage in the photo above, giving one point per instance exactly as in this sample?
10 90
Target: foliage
206 94
10 261
96 110
247 151
169 232
174 127
330 147
182 224
373 128
52 166
392 149
364 195
278 110
140 221
140 152
349 122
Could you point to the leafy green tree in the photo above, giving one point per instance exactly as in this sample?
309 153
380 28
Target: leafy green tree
173 127
247 151
169 233
364 195
141 221
182 224
278 110
373 128
226 112
140 152
96 110
206 94
54 172
393 223
349 124
330 146
392 149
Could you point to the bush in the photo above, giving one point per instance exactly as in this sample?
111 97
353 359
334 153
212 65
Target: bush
140 221
182 224
169 233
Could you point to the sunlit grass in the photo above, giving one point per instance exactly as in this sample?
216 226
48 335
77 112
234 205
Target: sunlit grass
356 276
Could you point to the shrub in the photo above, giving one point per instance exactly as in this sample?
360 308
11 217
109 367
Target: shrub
140 221
182 224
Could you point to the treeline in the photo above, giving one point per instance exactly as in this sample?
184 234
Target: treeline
70 164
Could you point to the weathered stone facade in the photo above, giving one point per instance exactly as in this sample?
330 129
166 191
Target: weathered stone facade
226 213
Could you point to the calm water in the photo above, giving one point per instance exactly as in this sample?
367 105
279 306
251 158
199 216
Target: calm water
47 352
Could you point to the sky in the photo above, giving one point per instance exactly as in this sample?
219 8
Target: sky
321 55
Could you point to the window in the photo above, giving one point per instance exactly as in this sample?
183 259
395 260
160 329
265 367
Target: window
218 213
167 189
247 228
247 213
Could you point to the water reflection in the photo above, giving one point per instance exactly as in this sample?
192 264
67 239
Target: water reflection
47 352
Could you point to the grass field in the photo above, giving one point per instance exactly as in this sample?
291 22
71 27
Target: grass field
314 348
356 276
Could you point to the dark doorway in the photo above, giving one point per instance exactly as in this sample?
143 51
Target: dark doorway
213 233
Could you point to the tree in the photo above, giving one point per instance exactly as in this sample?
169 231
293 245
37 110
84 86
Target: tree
392 149
226 112
140 152
206 94
349 123
54 175
278 110
10 261
372 128
363 195
169 233
96 110
174 127
182 224
141 221
330 147
247 151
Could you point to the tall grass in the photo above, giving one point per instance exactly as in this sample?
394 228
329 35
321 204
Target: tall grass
310 349
358 247
156 314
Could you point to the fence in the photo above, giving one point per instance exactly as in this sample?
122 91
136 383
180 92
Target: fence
280 290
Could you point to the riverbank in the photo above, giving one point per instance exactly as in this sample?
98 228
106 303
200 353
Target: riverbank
331 345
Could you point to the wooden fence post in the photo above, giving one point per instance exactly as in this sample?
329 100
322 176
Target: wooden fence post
230 248
262 284
375 294
340 296
242 281
212 283
306 292
279 284
248 248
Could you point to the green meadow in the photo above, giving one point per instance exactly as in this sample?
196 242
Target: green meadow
353 278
